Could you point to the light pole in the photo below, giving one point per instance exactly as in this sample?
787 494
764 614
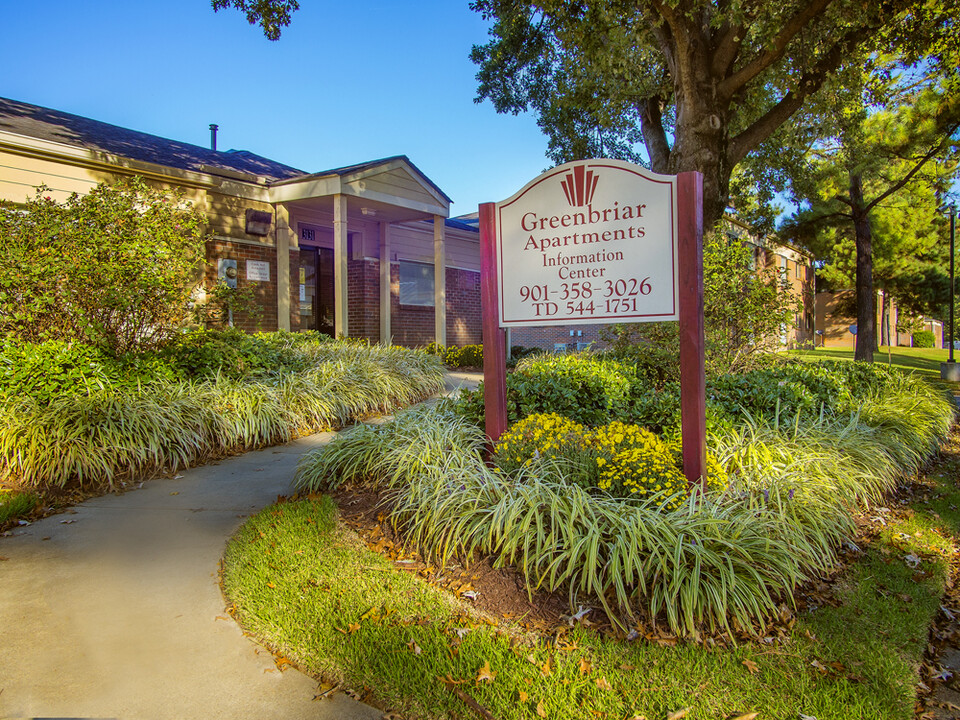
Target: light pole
949 370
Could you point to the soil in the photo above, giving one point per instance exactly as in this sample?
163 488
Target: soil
497 592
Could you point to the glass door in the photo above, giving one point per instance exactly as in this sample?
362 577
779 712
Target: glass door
316 290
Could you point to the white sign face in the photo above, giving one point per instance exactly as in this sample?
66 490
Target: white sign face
258 271
586 242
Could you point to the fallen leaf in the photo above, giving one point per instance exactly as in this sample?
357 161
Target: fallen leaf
604 685
751 666
448 680
3 558
271 585
747 716
585 666
486 674
545 669
541 711
678 714
624 666
175 493
413 646
523 696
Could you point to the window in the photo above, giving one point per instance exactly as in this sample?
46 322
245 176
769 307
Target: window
416 283
798 268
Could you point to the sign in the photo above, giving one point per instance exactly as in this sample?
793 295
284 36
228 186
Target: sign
258 271
852 329
587 242
559 240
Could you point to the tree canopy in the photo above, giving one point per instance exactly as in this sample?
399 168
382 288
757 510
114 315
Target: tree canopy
271 15
685 84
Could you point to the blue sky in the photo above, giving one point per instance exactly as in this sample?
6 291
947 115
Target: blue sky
347 82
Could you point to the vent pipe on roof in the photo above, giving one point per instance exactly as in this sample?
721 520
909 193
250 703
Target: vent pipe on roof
213 136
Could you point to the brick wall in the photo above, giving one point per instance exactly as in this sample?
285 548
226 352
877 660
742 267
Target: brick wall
413 325
464 320
265 293
548 337
363 292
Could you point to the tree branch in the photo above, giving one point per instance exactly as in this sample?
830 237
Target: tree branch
776 48
808 84
916 168
654 136
727 49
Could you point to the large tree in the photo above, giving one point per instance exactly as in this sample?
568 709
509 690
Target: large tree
868 184
701 84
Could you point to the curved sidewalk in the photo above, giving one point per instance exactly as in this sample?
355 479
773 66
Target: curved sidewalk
113 609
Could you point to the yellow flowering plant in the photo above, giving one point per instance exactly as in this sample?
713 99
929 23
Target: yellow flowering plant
537 438
619 458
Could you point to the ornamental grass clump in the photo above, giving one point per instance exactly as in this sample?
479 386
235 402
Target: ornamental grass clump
97 436
714 559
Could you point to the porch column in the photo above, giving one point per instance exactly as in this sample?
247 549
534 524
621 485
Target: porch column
284 236
439 282
340 265
385 299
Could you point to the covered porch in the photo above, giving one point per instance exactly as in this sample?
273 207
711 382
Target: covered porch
347 238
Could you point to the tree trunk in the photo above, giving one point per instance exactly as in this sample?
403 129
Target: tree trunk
866 300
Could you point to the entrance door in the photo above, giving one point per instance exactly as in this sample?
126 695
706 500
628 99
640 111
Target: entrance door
316 290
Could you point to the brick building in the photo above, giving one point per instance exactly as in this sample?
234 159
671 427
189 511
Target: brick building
366 251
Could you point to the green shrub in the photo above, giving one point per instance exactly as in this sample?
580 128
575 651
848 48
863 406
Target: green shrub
113 268
50 369
580 387
470 356
923 339
236 354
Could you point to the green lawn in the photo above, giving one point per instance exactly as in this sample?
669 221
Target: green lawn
310 589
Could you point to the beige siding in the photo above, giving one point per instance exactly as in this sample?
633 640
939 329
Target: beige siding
20 176
227 216
397 183
410 242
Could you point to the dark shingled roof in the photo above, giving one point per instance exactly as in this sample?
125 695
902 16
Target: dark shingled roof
46 124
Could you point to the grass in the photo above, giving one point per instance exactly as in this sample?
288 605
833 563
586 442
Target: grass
723 564
718 560
310 589
14 504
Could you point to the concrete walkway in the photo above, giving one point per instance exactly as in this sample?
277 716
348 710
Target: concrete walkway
113 610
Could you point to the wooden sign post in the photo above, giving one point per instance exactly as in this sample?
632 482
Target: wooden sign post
597 241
